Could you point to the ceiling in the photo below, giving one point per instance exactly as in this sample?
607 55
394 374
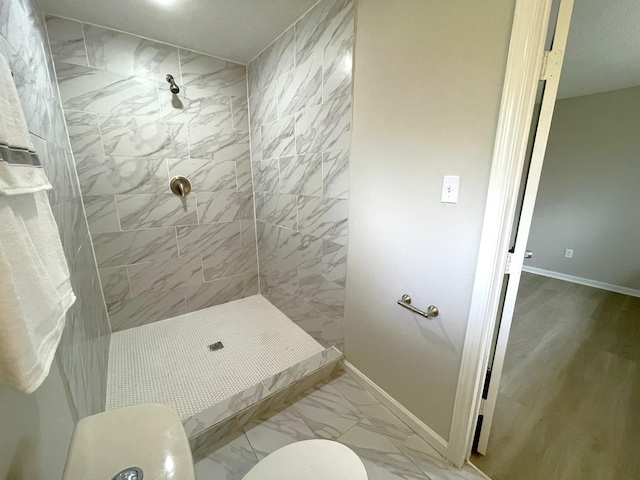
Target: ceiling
603 50
232 29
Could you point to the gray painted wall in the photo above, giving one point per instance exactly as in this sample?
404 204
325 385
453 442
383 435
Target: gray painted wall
589 196
427 88
159 255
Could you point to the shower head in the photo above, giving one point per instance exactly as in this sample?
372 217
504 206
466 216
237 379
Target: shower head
173 87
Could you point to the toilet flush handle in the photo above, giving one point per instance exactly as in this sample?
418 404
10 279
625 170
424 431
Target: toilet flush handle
131 473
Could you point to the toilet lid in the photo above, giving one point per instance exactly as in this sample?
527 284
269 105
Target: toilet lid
311 460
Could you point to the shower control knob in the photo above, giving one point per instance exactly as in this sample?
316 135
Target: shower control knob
180 185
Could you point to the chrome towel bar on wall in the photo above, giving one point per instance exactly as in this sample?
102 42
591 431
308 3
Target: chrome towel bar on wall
432 310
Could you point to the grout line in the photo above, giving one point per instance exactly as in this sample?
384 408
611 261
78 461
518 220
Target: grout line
402 452
182 85
195 194
165 162
84 41
476 469
186 134
100 134
322 79
235 168
147 38
202 269
253 180
166 228
286 30
115 202
126 267
161 115
233 128
175 229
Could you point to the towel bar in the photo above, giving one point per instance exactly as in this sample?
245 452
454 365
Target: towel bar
432 310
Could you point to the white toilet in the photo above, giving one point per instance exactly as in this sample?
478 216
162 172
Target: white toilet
311 459
148 442
119 444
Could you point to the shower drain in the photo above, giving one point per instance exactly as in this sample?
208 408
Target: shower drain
216 346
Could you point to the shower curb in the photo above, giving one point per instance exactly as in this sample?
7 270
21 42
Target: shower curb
204 442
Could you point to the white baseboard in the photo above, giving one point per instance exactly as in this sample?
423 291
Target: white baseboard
582 281
478 471
417 425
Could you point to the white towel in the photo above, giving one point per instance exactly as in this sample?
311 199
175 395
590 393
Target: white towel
35 290
20 169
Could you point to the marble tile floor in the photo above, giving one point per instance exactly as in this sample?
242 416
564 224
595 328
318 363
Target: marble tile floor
337 409
569 401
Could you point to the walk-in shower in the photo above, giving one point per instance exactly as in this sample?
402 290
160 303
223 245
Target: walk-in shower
216 200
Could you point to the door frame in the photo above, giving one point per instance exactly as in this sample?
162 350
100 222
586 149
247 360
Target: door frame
523 72
552 70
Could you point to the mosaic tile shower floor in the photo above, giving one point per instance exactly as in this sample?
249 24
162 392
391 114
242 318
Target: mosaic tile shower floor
170 361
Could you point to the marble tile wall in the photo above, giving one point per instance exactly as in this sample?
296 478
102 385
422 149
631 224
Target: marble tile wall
300 116
84 345
159 255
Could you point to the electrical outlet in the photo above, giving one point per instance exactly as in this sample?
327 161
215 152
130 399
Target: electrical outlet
568 253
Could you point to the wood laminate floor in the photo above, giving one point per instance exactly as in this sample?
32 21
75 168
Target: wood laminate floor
569 401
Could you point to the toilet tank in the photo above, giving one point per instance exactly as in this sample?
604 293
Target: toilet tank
149 438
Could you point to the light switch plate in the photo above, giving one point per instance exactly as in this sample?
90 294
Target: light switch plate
450 189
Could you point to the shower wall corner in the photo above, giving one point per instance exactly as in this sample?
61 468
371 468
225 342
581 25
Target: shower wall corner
300 117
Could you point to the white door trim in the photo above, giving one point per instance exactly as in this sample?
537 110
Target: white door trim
551 74
524 69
